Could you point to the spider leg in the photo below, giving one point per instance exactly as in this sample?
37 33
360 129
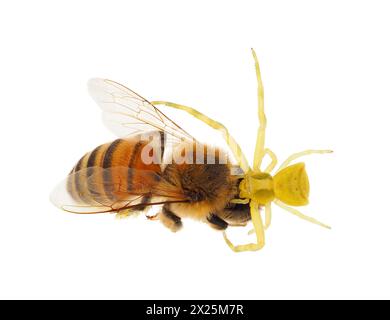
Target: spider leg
268 216
300 154
273 162
259 229
259 150
231 142
300 215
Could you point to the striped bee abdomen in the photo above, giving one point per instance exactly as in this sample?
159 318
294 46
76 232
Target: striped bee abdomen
99 174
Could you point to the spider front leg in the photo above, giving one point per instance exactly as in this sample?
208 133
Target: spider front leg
231 142
260 141
268 217
261 151
241 247
273 162
259 230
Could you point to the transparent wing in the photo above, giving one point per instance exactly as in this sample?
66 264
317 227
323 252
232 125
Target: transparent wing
126 113
98 190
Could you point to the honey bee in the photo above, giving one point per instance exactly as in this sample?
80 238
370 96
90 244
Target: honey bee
156 162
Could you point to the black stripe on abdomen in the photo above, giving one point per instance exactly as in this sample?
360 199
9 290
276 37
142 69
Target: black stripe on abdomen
91 164
71 186
92 157
80 186
107 163
130 174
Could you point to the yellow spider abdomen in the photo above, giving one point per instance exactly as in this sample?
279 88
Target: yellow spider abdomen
291 185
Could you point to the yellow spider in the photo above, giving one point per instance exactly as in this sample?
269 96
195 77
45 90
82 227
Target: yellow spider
288 186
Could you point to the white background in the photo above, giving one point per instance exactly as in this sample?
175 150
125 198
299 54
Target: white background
325 68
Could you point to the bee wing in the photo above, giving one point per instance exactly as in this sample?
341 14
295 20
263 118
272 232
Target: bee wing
98 190
126 113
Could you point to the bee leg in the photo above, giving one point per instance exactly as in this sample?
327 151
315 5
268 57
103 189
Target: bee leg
169 219
153 217
216 222
125 213
236 214
143 204
237 224
136 209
